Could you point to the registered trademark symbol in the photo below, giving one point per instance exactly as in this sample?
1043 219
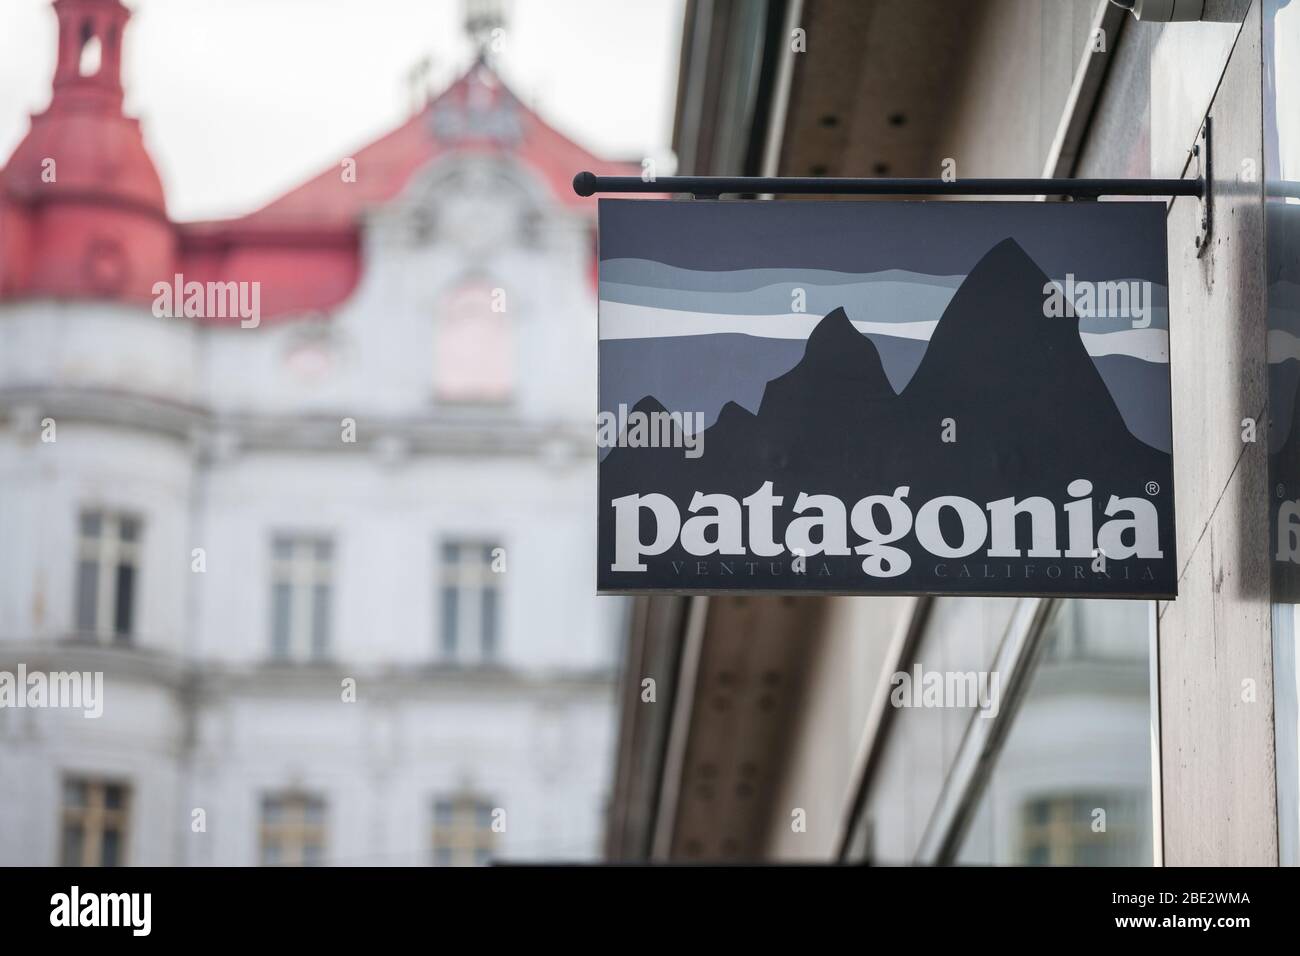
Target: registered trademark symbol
1153 488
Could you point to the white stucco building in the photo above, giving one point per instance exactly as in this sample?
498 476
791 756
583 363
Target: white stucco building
336 567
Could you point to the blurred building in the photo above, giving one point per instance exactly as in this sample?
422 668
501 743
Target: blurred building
1128 732
326 526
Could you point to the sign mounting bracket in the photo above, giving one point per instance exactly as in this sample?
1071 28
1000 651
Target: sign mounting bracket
712 187
1204 170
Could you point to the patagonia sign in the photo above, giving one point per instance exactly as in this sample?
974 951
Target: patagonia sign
885 398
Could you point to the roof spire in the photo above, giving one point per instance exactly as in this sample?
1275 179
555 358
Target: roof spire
485 24
89 68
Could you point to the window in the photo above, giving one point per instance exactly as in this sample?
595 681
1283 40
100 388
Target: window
91 57
108 556
471 614
1057 770
293 830
1074 829
474 360
1281 36
1099 633
94 825
301 571
462 831
1071 782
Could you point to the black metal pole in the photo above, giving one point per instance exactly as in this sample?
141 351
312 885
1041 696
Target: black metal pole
587 184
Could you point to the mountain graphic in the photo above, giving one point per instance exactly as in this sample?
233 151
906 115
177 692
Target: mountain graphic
1016 389
839 364
1042 405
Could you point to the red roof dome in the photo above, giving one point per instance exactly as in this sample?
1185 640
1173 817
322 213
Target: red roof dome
96 150
81 190
96 156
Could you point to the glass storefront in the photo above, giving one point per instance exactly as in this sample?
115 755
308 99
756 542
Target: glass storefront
1049 762
1071 784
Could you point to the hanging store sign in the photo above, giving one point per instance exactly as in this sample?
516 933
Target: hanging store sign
885 398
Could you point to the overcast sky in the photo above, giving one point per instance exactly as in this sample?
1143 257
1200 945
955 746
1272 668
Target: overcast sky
243 99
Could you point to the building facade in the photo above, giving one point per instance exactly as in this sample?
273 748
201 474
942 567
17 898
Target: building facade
310 488
1127 732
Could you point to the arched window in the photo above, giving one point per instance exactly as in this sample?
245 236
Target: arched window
92 51
474 345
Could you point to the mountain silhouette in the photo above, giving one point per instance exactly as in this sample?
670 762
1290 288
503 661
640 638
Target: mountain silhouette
651 458
1016 389
1042 401
839 365
649 405
735 425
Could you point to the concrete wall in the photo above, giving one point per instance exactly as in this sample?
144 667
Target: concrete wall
1217 748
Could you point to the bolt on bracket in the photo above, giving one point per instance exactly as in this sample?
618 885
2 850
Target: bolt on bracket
1202 168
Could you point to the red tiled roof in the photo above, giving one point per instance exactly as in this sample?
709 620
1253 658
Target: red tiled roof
101 229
